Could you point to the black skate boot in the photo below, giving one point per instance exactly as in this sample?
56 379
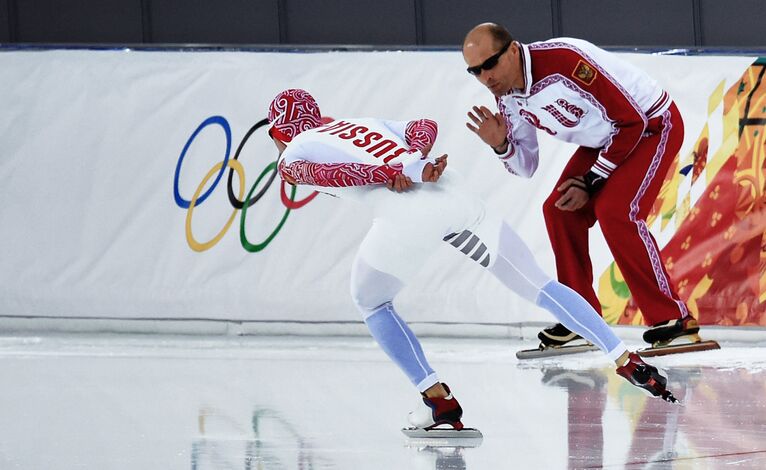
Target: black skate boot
663 333
557 340
647 377
556 335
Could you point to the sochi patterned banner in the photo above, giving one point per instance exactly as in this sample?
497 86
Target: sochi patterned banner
713 209
144 185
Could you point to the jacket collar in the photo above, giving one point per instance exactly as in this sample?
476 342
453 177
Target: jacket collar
526 70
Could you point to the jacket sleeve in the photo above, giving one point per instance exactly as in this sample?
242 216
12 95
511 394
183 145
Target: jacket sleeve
417 135
629 123
337 174
420 134
522 156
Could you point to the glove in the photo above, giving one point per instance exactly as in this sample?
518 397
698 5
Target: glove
590 182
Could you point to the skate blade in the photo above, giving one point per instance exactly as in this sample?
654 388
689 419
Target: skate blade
668 397
469 434
684 339
554 351
678 348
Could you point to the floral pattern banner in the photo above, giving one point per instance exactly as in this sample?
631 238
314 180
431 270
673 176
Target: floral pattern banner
713 202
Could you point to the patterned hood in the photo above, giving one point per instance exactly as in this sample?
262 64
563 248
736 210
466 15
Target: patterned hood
292 112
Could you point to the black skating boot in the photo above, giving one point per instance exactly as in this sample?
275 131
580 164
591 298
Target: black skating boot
665 332
556 335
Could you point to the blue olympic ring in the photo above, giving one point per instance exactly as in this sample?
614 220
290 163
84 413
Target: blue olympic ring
221 121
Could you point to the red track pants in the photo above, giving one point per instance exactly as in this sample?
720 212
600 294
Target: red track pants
621 207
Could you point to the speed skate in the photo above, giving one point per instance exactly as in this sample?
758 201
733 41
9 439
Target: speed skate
549 351
682 344
439 418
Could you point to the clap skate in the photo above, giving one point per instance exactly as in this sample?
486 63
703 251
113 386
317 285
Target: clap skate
557 340
675 336
439 418
646 377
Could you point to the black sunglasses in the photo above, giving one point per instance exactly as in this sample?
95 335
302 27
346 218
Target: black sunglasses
489 63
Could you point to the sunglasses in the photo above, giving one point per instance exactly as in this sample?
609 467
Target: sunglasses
488 64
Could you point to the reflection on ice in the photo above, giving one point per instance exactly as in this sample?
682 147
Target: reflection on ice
270 442
721 417
443 457
127 402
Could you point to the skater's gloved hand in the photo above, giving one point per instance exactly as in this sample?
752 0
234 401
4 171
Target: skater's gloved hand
399 183
433 171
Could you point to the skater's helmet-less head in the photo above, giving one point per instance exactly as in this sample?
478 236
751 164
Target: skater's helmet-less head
292 112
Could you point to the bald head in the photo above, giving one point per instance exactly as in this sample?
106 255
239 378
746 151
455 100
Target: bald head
494 58
493 32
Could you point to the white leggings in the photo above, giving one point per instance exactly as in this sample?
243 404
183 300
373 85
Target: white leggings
408 227
407 230
513 265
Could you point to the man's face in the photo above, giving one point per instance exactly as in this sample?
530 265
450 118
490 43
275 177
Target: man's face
505 74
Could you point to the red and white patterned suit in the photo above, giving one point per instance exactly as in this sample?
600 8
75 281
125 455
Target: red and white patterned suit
358 152
353 158
629 131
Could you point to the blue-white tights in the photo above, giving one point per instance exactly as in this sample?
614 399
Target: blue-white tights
373 292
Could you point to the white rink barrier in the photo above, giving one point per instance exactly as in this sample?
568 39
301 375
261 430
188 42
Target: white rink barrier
103 151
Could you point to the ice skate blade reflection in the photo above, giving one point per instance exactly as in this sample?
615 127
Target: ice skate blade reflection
443 437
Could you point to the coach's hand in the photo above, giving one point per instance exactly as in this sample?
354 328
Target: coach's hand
490 128
574 195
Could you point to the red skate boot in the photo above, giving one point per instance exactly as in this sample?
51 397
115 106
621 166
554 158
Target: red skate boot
647 377
439 418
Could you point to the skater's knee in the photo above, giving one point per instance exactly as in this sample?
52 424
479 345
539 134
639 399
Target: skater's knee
370 301
371 288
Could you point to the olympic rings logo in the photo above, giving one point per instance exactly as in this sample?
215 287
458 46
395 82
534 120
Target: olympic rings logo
238 203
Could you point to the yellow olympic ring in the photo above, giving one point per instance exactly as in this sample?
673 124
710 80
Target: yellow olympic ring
194 244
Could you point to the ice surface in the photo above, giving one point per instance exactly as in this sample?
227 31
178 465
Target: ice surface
188 402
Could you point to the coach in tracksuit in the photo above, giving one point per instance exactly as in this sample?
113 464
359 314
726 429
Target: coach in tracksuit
629 131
